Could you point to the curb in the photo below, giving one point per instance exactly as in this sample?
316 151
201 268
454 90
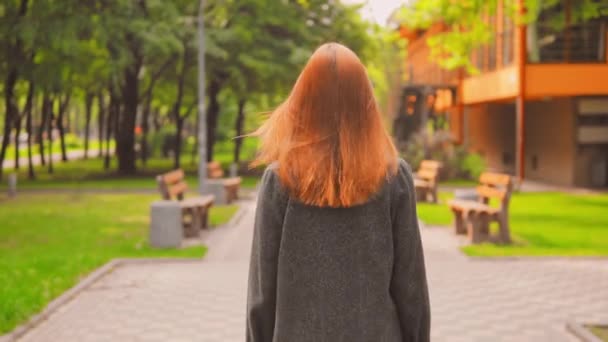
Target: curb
579 330
96 275
62 300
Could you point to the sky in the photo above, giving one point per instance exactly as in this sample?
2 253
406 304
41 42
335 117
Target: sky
377 10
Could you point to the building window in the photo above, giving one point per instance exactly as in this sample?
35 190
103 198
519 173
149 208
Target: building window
560 36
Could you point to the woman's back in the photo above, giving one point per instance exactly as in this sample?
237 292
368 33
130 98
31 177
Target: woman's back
336 249
338 274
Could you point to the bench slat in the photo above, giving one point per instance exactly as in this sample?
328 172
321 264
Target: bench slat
177 189
420 183
430 165
202 201
173 177
214 170
427 174
486 191
491 178
232 181
473 206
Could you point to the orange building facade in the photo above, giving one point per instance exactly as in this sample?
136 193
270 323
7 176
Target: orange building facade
538 109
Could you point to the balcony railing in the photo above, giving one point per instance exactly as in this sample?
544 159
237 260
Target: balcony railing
582 43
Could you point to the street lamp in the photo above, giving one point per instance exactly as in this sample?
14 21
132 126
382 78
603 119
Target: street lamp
202 117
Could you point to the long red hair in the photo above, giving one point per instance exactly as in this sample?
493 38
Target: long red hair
328 137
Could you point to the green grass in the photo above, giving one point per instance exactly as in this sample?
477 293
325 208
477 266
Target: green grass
50 241
601 332
546 223
93 148
90 175
436 214
223 151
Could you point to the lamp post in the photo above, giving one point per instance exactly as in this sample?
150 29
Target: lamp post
202 117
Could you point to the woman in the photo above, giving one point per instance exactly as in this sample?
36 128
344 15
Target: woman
336 248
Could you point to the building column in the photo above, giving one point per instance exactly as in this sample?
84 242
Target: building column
520 137
520 101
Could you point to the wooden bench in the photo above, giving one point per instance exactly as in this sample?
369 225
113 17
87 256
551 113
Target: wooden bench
231 185
195 210
426 180
474 217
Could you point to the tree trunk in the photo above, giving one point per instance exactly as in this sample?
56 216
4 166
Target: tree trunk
100 121
125 142
179 124
43 118
28 127
63 107
15 53
10 113
213 110
179 120
145 124
238 140
17 121
145 127
88 103
112 113
49 126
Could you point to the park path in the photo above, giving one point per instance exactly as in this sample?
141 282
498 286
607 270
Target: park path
472 299
78 154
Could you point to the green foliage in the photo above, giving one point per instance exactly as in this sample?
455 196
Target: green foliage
72 141
473 164
435 214
467 29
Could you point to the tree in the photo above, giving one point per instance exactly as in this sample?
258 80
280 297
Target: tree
466 29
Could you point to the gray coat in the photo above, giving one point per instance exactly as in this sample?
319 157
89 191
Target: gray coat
338 274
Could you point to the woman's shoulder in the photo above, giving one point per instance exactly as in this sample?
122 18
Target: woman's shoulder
270 183
403 179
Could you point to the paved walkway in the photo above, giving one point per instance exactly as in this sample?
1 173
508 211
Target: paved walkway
472 300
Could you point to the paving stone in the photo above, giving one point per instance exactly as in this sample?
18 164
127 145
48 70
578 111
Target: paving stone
471 299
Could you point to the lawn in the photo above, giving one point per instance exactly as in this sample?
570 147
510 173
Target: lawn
50 241
93 148
436 214
542 224
90 175
600 332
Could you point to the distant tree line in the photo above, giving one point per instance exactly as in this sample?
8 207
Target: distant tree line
128 67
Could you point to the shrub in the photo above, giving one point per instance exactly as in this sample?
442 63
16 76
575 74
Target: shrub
72 141
456 160
473 164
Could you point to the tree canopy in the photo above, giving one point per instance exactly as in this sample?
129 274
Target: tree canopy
468 29
129 67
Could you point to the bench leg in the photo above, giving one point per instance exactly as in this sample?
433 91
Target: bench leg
189 221
459 223
477 227
196 222
420 194
472 229
204 218
503 229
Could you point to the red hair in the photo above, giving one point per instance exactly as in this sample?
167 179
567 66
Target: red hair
328 137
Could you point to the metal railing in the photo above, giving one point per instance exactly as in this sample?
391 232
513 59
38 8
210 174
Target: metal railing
582 43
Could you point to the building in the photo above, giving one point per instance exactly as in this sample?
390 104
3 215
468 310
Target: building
538 109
